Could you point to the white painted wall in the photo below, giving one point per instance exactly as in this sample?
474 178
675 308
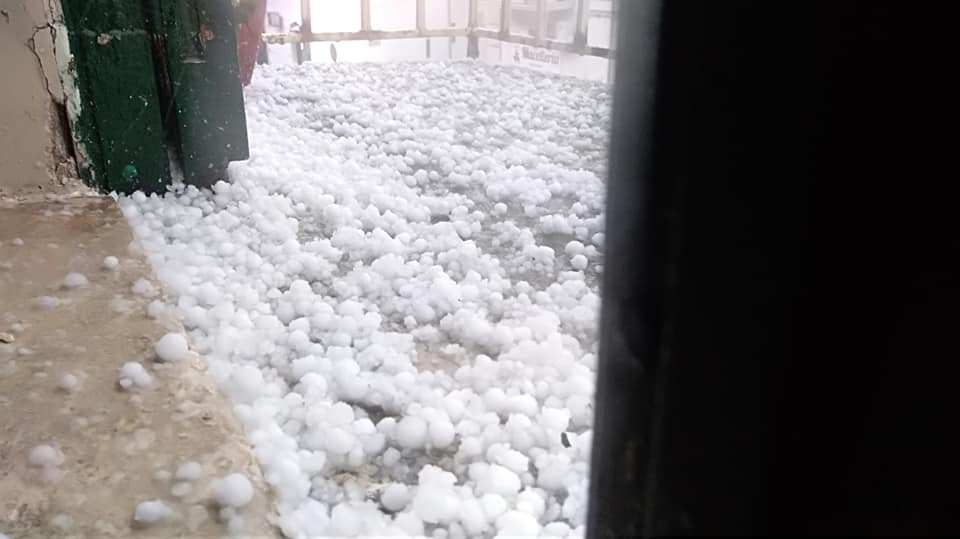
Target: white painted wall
522 22
344 15
584 67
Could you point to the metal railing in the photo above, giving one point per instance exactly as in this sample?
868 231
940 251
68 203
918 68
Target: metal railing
473 32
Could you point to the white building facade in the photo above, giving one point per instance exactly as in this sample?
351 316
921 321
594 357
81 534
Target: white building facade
344 16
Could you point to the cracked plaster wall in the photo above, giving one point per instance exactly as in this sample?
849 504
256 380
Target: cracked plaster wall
33 155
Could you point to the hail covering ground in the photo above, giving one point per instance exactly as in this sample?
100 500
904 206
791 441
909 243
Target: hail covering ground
398 291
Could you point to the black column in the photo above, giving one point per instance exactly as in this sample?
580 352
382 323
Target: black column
779 297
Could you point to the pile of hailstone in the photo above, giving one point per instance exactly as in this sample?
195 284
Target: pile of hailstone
398 291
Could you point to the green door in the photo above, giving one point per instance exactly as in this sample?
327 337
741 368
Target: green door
204 79
157 80
117 129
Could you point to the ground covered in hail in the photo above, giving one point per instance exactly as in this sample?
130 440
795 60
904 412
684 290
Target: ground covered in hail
398 291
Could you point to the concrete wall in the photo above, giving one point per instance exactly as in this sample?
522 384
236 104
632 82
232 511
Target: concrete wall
33 156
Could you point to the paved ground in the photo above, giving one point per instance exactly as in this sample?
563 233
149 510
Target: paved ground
399 290
116 446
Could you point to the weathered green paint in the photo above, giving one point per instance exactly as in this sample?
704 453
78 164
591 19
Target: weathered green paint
153 75
205 84
118 123
127 112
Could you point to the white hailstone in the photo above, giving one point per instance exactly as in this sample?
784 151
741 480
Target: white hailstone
172 347
110 262
581 408
345 521
598 238
499 480
332 287
156 308
517 524
391 457
75 280
409 523
48 302
234 490
151 511
133 374
579 262
573 248
44 456
17 241
120 305
189 471
144 287
493 505
246 384
181 489
472 517
340 414
470 447
556 419
556 529
435 500
531 501
442 434
299 341
395 497
339 441
513 460
411 432
68 382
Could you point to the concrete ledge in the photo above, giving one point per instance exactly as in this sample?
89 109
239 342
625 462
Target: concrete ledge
118 447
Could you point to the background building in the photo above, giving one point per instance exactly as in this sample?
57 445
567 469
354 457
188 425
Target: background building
344 16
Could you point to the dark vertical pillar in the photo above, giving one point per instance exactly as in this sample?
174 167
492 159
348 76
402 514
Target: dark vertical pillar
780 291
